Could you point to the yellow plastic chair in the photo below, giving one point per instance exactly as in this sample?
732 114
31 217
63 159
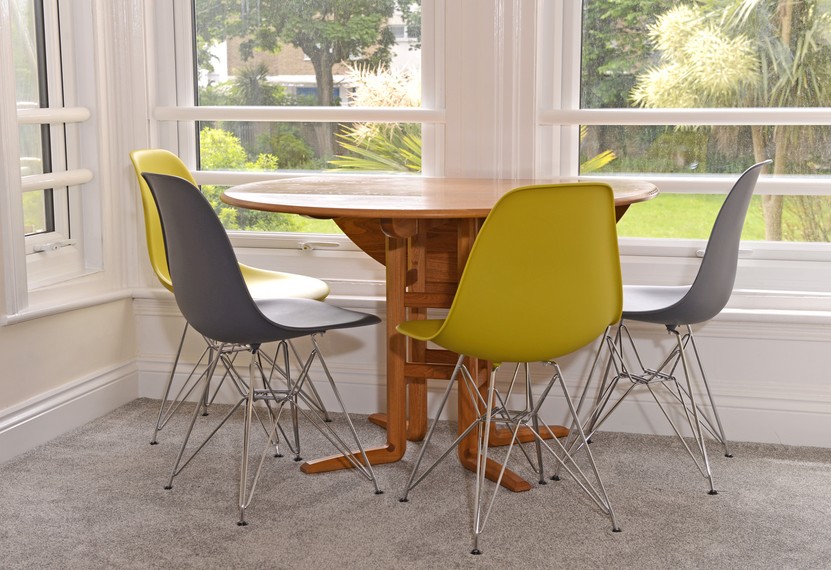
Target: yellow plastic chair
262 284
542 281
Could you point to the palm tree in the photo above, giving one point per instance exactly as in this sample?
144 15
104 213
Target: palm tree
747 53
397 146
250 87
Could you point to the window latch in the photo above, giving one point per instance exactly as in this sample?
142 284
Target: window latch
311 245
53 245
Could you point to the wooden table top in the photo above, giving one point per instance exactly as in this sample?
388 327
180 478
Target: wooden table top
400 196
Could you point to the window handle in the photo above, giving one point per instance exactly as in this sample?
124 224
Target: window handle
311 245
53 245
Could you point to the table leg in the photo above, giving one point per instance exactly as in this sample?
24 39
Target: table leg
395 421
417 387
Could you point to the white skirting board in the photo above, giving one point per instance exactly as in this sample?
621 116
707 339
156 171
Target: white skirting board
769 377
767 417
39 420
775 413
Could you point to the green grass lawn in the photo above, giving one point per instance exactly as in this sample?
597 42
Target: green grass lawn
688 216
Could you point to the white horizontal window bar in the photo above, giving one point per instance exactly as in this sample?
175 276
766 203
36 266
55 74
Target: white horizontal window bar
55 179
49 116
771 185
638 116
305 114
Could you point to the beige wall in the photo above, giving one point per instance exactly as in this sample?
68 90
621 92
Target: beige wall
46 354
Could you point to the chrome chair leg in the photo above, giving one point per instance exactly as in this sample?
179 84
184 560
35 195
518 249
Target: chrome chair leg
713 406
696 424
315 400
481 465
159 423
411 483
360 460
244 497
664 375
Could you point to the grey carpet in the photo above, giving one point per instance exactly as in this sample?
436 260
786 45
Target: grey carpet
94 498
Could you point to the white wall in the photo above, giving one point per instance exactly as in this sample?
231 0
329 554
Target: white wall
61 371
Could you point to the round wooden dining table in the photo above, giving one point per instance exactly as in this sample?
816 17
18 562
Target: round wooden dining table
421 229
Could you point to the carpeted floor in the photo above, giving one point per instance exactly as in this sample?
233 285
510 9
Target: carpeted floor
94 498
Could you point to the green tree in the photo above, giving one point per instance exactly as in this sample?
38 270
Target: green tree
614 49
397 146
328 31
747 53
222 150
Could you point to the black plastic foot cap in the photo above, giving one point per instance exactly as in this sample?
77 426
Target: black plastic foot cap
555 477
728 455
154 442
204 414
403 500
278 455
298 458
242 523
616 529
379 492
168 487
712 492
543 482
476 552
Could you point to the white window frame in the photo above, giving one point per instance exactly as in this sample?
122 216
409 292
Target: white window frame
61 270
532 55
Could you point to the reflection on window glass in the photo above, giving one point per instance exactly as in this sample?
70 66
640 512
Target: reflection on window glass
363 53
670 54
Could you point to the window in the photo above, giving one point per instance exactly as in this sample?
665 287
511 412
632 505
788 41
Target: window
633 82
47 214
751 73
264 56
531 89
44 220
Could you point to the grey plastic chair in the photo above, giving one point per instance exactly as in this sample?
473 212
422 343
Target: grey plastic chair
262 284
680 307
214 299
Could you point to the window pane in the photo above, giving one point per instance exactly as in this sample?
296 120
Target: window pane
368 54
669 54
30 85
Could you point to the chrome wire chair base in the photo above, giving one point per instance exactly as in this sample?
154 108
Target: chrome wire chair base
666 381
496 411
169 406
262 387
359 461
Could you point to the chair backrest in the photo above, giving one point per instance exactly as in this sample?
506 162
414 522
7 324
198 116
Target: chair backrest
208 283
716 275
158 161
543 276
